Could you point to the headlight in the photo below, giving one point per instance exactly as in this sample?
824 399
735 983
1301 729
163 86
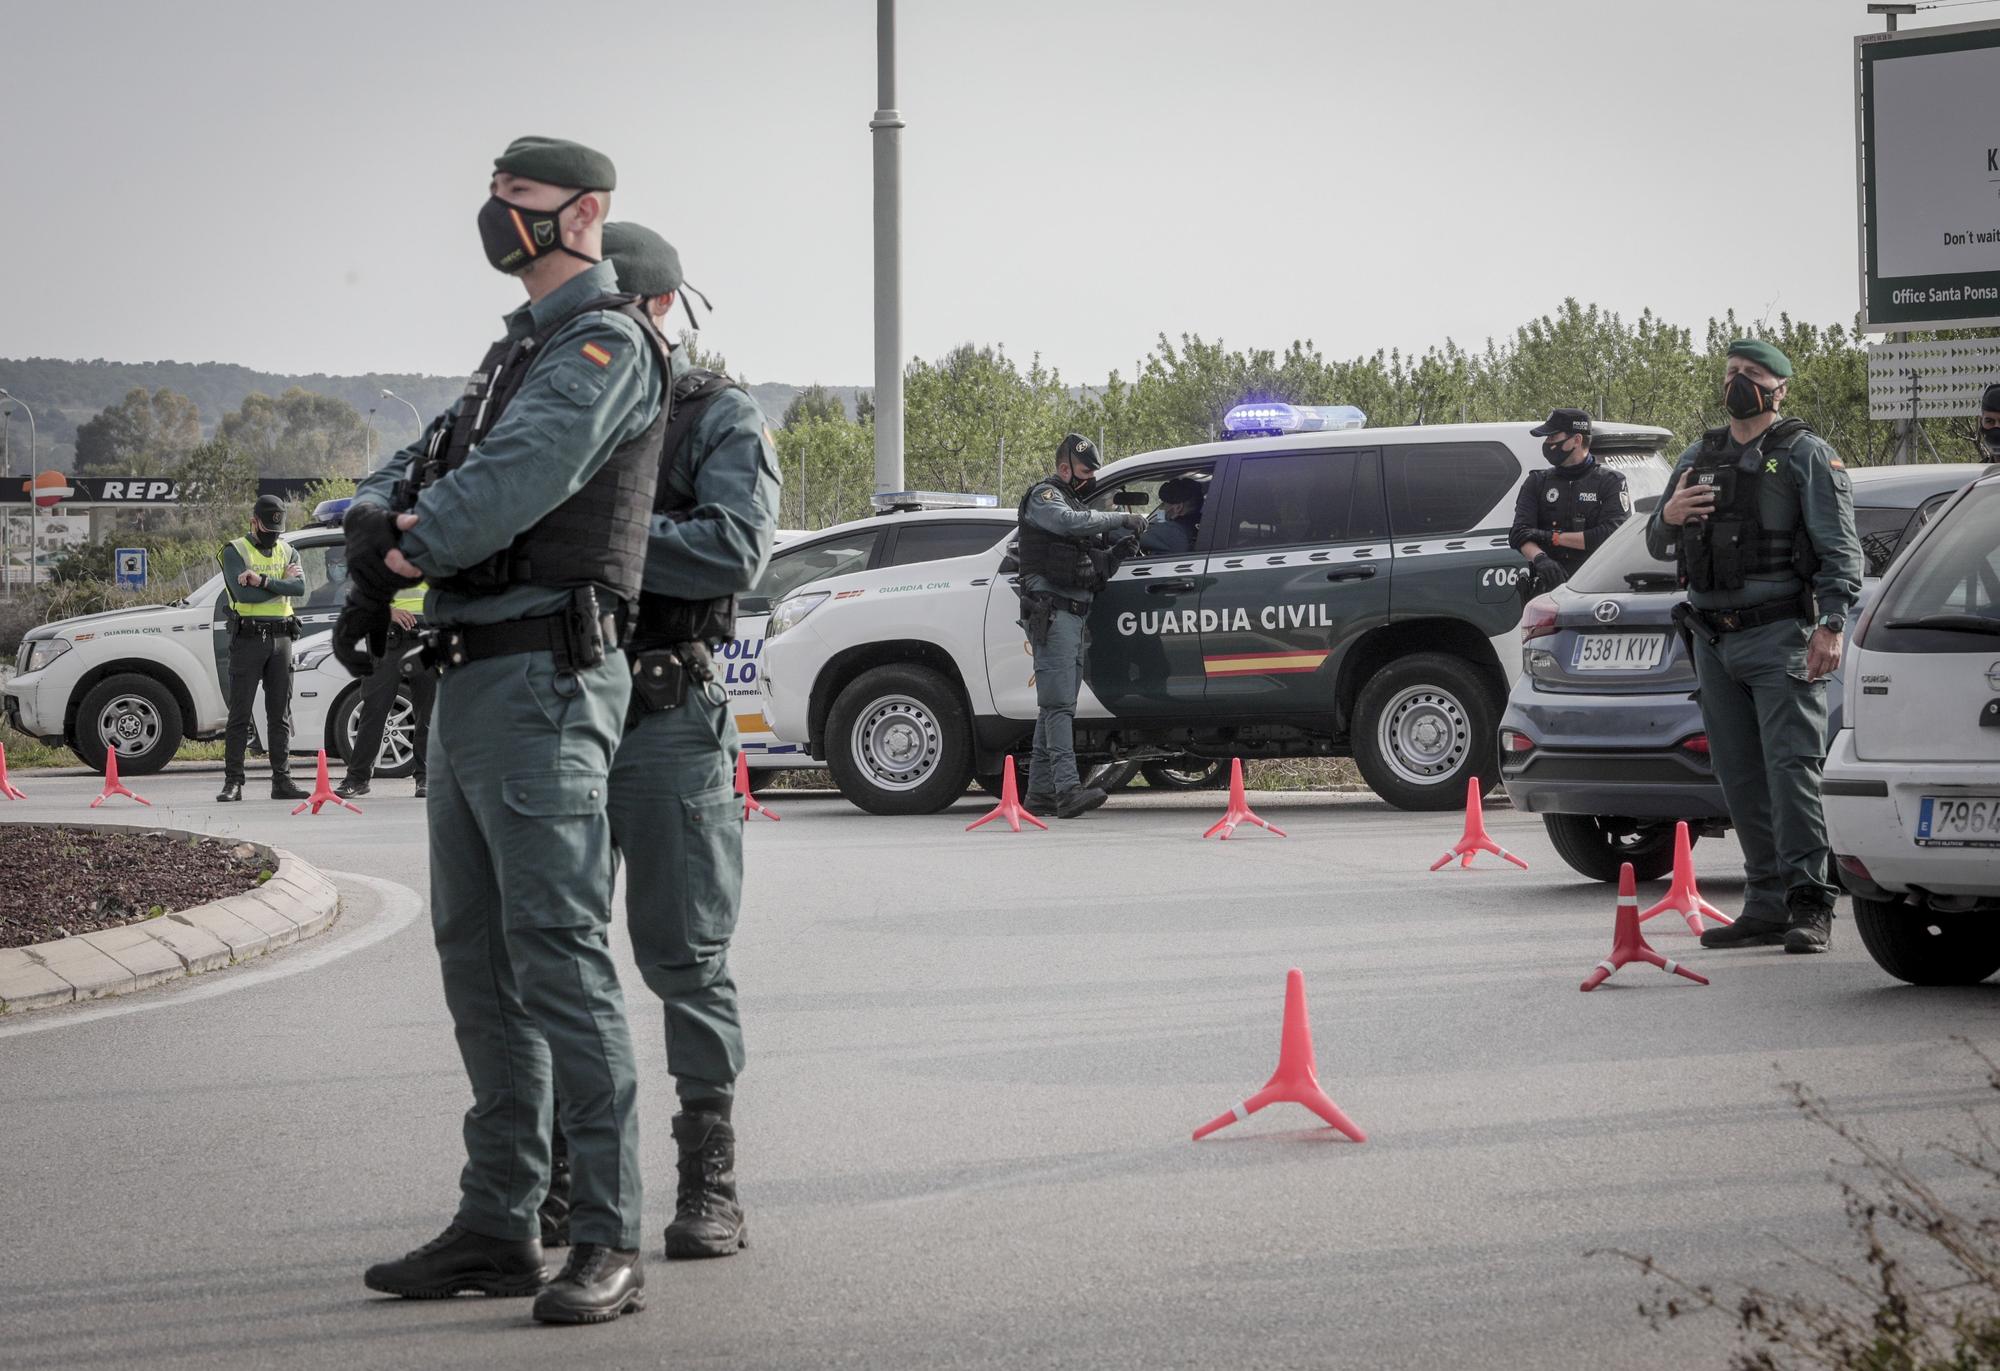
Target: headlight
313 656
792 611
42 651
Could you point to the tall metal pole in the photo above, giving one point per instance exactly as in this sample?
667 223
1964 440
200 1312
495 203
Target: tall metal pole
1906 430
886 129
7 511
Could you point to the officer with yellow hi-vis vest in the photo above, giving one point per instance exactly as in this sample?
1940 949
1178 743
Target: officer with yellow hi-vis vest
260 574
378 694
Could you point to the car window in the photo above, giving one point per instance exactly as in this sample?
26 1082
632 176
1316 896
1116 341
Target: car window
1445 487
1623 562
1156 540
325 568
1953 573
797 564
1305 497
1881 530
933 542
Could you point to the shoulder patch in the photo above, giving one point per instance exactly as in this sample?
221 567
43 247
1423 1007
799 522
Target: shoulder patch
597 353
1625 499
1048 493
1836 464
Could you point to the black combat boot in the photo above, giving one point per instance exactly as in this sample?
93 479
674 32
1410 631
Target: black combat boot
423 786
459 1261
351 785
708 1222
1745 932
283 787
554 1212
1811 929
232 791
1078 801
597 1284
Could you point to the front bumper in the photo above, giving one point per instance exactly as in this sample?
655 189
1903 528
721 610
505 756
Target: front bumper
1608 755
1871 816
24 714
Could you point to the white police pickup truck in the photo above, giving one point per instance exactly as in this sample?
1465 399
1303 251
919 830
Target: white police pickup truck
1350 591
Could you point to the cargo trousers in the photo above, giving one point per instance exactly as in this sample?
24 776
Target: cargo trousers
1767 742
521 876
1059 660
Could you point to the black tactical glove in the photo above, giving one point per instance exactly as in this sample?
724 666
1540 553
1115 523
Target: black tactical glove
1137 522
361 633
1546 573
371 535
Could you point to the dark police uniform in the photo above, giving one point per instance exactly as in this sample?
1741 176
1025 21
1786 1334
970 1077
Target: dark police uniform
1061 557
378 696
534 499
261 629
1778 557
1582 498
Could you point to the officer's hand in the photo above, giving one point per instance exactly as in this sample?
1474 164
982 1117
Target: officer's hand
372 532
1690 501
361 633
398 563
292 572
1137 522
246 578
1546 573
402 618
1822 654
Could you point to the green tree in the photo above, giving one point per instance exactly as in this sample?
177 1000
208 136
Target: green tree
145 434
814 402
300 433
828 466
218 486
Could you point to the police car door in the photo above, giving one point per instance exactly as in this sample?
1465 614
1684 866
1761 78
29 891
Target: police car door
1449 508
1298 572
1145 626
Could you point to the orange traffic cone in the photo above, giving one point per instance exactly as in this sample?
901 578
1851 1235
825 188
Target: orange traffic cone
1295 1081
114 786
1239 811
1476 839
1628 945
323 792
1010 807
750 802
7 786
1682 896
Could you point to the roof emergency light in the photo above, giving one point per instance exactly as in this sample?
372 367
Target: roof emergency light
1268 418
330 512
895 501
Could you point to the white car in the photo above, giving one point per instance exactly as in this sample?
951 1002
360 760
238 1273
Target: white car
1912 780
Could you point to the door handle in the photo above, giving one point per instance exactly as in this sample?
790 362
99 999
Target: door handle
1169 587
1351 573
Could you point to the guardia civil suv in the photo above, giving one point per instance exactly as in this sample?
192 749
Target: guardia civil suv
1349 592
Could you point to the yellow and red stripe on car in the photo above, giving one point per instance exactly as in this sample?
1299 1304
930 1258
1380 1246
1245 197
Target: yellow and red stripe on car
1263 663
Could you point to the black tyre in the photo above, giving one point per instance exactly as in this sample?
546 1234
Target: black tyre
1598 847
1926 948
897 741
398 755
135 714
1186 773
1422 726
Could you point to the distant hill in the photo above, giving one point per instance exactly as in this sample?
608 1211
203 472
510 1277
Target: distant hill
64 394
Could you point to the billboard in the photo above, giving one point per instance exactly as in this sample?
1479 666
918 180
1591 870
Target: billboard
1928 116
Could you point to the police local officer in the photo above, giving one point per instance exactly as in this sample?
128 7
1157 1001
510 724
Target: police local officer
529 509
1564 512
1760 516
1058 579
378 694
261 574
675 816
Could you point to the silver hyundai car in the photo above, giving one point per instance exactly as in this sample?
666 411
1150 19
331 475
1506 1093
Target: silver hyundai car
1602 736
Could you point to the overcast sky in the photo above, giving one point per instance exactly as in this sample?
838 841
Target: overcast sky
293 187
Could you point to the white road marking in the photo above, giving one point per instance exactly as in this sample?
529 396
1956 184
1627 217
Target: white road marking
400 905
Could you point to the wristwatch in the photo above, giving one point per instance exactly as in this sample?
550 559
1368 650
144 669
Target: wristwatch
1836 622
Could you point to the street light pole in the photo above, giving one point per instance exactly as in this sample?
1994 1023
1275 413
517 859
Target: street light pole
415 413
1906 431
6 511
368 443
887 130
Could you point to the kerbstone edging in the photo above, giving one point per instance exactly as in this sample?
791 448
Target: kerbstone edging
296 902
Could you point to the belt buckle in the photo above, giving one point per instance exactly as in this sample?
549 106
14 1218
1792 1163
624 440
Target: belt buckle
1731 620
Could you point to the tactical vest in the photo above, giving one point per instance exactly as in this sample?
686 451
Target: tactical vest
665 620
272 564
598 535
1731 545
1063 561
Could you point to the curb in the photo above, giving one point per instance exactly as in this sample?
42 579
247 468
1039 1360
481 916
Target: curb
297 902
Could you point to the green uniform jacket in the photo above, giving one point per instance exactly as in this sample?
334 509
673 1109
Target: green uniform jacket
1048 511
1810 490
720 543
546 447
232 567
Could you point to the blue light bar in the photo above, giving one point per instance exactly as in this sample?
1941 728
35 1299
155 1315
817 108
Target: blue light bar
931 499
1274 417
331 511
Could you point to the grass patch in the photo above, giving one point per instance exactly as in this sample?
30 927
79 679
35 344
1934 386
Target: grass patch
30 754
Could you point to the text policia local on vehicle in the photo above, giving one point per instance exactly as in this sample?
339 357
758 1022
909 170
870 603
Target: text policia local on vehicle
1271 618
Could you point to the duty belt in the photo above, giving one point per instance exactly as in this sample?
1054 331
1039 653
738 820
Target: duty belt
265 627
1716 622
1080 608
578 638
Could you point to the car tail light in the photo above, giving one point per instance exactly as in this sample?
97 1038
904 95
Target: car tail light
1538 620
1515 743
1695 745
1853 866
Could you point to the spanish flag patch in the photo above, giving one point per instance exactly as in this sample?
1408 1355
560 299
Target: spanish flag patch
597 354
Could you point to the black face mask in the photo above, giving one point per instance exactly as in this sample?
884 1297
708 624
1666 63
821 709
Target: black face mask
1991 437
516 238
1554 453
1745 399
1080 482
263 539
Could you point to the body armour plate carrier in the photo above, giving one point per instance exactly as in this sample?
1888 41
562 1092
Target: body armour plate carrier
597 537
1732 544
667 620
1062 560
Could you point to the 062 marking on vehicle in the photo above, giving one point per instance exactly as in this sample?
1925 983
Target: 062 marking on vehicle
1503 576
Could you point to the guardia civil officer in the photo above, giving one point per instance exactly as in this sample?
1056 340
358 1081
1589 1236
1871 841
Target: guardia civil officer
1171 528
1989 422
261 574
1061 555
675 815
529 507
378 694
1760 517
1565 511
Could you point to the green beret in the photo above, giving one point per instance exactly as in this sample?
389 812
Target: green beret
558 162
645 262
1763 354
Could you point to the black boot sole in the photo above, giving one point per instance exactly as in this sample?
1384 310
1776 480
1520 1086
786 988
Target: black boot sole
1800 947
681 1248
634 1303
504 1287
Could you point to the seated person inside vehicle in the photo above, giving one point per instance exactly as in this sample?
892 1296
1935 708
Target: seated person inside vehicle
1171 529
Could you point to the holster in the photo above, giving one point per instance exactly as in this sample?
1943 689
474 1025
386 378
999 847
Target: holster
661 676
1041 610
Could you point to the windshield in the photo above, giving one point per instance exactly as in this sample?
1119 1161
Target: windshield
1948 593
1624 554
